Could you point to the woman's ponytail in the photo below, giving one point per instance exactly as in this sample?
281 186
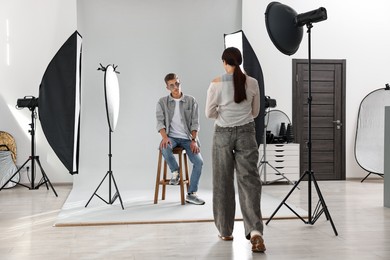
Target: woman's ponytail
232 56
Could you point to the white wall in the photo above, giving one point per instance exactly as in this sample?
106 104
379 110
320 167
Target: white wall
32 31
357 31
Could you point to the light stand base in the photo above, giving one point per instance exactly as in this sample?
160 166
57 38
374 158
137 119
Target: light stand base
33 159
111 178
44 180
111 199
379 174
319 209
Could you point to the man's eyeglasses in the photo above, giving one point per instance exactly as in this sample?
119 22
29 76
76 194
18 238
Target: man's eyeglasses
173 85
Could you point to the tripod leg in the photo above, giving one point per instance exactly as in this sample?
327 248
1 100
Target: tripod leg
366 177
96 189
44 176
325 208
117 191
284 201
260 168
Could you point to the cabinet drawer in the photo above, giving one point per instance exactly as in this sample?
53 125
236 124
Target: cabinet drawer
280 152
285 147
293 162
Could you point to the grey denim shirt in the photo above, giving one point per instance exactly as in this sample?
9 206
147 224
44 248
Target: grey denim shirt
189 111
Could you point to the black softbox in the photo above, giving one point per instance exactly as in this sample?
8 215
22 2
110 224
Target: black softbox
59 102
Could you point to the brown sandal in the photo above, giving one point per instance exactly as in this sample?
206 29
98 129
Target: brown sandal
257 244
226 238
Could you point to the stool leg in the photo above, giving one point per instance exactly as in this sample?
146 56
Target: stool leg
181 179
157 178
164 181
186 168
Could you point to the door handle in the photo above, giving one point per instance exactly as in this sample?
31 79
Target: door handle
338 124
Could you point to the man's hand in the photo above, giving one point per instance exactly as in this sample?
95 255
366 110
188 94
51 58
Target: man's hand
194 147
165 142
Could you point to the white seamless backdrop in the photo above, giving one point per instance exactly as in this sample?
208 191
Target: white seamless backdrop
147 40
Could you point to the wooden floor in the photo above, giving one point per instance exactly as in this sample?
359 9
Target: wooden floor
356 208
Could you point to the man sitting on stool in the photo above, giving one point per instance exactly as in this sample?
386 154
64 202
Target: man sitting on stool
178 123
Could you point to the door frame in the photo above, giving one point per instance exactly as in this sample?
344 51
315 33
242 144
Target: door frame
340 81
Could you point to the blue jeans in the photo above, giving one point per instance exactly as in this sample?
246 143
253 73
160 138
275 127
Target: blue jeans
195 159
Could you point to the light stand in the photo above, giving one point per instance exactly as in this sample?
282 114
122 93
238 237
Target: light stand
111 178
264 162
111 89
321 205
33 158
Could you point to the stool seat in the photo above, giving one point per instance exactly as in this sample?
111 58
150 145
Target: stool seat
164 181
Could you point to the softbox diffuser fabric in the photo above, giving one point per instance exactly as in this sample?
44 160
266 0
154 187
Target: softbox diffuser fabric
59 102
251 66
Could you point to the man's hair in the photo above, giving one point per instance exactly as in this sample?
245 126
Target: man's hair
169 77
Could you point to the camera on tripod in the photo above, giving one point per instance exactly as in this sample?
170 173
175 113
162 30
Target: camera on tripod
28 101
269 102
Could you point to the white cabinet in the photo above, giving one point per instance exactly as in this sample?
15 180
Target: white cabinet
280 162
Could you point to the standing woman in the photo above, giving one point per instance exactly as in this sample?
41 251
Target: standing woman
233 100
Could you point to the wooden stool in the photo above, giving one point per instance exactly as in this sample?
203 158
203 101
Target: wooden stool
165 181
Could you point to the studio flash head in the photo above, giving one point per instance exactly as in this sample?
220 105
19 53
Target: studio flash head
269 102
28 101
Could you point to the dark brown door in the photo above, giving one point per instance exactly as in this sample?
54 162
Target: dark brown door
327 116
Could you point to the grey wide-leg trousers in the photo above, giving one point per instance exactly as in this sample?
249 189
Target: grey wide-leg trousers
235 148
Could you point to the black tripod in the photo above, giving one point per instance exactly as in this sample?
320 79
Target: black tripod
321 206
33 158
264 163
111 178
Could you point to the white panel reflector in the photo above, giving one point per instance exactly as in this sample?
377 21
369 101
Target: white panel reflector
369 144
112 96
